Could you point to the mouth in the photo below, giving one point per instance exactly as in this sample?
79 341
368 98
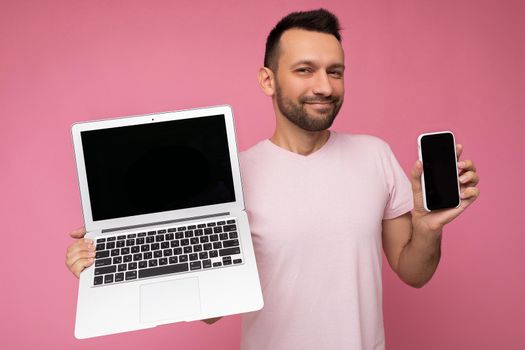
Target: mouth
320 104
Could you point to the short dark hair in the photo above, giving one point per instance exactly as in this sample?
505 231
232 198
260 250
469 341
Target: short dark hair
320 20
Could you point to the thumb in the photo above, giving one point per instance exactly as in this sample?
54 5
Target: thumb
417 170
78 233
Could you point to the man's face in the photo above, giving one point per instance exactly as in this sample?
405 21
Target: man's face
309 86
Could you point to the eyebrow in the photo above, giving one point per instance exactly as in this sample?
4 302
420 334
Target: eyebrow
312 63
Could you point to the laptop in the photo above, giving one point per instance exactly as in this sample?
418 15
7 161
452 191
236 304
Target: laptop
162 199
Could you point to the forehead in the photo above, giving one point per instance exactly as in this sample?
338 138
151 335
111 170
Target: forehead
299 45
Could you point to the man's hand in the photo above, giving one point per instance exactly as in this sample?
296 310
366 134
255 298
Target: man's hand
81 253
435 220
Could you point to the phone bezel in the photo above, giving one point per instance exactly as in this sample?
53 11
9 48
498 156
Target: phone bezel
420 153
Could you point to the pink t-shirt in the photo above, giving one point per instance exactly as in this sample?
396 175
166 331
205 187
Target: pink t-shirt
316 228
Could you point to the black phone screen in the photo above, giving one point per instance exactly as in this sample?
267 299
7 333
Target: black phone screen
440 171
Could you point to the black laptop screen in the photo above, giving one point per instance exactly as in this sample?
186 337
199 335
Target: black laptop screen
149 168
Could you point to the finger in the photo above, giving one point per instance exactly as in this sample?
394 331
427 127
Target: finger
470 193
82 255
459 150
417 170
79 246
80 265
470 177
78 233
466 165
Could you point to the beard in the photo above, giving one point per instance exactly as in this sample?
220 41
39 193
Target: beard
295 111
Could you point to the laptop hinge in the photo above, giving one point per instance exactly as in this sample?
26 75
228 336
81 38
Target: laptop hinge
114 229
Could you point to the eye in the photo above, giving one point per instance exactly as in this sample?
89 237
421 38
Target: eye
304 70
336 74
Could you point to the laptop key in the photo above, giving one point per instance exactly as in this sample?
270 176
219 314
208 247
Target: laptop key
119 277
110 245
163 261
131 275
231 243
229 228
117 260
183 258
237 261
101 246
217 264
206 264
103 262
173 260
102 254
143 264
230 251
233 234
163 270
195 265
98 280
108 279
122 267
105 269
230 222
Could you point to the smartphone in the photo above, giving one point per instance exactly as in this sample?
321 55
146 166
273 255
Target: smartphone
439 182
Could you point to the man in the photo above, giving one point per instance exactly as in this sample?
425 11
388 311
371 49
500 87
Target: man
322 204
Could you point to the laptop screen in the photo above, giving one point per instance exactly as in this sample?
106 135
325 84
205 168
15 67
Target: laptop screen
163 166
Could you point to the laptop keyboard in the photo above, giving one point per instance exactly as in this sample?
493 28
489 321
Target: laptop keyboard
177 249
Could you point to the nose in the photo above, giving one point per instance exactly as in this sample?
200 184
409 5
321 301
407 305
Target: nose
322 84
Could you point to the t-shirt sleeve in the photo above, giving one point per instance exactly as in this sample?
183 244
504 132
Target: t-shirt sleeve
400 199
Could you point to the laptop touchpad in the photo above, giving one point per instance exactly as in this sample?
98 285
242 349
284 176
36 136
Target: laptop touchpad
175 300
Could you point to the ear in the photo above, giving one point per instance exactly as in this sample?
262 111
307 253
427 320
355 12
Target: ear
266 81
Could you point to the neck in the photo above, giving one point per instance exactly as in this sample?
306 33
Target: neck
294 139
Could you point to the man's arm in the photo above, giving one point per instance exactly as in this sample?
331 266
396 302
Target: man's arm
412 254
412 242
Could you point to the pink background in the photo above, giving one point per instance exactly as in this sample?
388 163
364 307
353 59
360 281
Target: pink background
413 66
